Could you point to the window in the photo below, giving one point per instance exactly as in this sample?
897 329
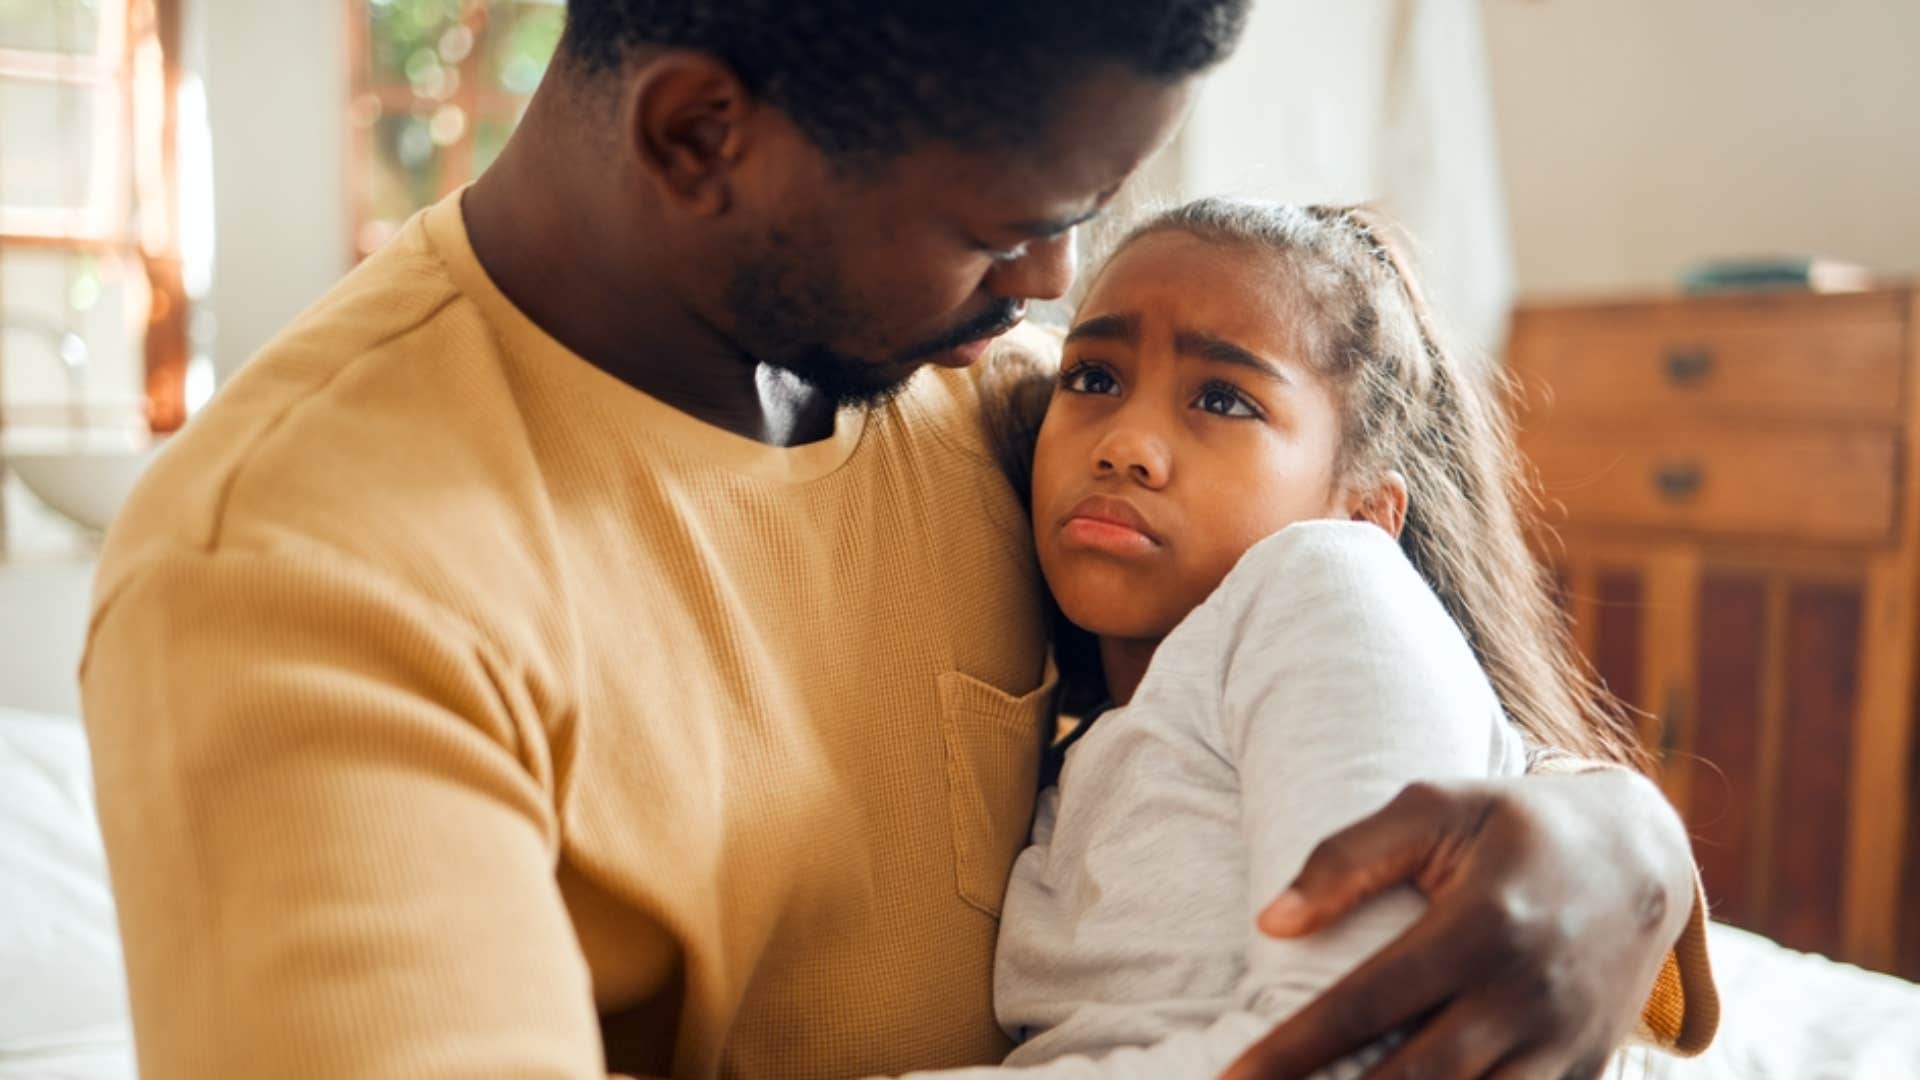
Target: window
93 313
437 87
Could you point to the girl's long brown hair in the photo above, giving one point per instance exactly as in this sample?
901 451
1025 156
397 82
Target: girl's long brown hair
1408 405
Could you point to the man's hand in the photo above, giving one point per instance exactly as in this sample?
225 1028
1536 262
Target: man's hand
1552 903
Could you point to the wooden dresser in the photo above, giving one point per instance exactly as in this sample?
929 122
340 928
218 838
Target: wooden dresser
1733 485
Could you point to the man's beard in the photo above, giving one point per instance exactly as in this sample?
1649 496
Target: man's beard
787 314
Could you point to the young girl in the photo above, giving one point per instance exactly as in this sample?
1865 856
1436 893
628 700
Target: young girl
1286 517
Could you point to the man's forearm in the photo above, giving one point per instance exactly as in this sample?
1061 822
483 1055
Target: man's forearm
1558 898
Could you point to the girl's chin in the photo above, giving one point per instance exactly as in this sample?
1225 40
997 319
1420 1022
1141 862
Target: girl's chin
1114 621
1109 598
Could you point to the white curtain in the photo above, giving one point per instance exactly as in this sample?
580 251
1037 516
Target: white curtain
1383 101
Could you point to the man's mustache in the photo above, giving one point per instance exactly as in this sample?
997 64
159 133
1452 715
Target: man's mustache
992 323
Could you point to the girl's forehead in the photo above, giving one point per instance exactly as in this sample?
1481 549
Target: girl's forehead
1173 279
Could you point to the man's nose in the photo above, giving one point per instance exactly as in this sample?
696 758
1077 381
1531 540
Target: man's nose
1136 452
1045 272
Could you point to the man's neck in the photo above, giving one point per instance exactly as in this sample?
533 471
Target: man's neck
554 246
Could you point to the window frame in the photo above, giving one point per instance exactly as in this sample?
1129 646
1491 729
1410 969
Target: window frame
133 167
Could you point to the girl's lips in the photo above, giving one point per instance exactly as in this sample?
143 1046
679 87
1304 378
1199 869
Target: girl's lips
1110 537
1112 525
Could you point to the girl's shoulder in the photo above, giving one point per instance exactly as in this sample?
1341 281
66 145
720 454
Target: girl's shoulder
1310 581
1318 557
1324 588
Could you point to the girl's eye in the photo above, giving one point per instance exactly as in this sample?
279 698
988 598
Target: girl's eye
1012 254
1084 378
1226 401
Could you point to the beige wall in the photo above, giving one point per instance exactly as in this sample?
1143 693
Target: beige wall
43 626
1639 136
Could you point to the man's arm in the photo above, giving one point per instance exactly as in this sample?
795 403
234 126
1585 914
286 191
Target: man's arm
1553 902
328 816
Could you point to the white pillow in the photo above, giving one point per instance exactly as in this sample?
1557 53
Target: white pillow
63 1001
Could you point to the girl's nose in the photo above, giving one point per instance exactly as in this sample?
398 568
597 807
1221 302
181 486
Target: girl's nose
1134 452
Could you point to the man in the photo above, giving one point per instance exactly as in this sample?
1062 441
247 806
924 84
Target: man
589 640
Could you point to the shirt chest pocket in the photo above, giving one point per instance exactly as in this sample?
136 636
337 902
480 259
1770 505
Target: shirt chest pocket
993 745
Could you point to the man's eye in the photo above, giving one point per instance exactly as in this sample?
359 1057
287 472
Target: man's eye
1012 254
1088 379
1222 401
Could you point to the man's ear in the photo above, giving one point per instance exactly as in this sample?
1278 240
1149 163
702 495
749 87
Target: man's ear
688 124
1385 504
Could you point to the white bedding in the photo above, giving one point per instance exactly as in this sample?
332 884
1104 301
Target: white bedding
1795 1016
63 1013
63 1009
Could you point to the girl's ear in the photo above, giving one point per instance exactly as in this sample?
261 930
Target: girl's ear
1385 504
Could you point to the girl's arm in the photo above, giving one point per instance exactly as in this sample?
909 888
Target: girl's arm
1346 681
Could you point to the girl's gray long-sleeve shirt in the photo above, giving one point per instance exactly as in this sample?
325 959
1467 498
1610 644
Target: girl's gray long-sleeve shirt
1317 681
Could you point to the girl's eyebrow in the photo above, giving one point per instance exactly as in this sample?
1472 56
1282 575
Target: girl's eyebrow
1204 346
1124 327
1119 326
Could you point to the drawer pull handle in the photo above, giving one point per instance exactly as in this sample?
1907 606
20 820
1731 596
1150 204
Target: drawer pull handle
1687 367
1678 483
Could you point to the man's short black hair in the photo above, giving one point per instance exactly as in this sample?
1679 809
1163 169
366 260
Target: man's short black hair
869 78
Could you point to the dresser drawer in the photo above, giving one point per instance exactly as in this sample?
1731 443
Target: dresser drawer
1831 486
1842 360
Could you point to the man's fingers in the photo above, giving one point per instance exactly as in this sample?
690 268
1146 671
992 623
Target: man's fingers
1388 848
1465 1041
1413 976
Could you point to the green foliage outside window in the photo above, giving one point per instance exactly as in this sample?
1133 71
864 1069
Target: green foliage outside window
438 88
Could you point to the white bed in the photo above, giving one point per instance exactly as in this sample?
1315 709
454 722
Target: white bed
63 1008
1795 1016
63 1013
